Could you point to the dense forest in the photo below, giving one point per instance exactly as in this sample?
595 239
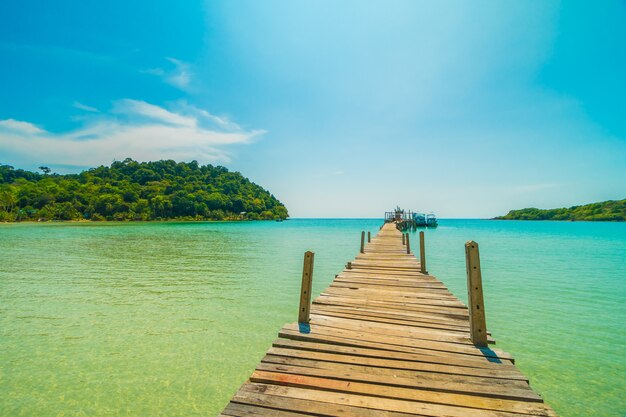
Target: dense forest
605 211
130 190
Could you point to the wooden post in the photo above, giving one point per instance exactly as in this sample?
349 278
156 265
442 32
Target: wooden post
422 254
362 242
369 237
349 265
305 292
403 239
476 304
408 244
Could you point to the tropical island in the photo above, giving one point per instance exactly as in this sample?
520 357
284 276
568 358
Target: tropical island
131 190
612 210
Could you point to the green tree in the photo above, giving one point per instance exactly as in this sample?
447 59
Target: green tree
130 190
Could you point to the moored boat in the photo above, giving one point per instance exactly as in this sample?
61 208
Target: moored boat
431 220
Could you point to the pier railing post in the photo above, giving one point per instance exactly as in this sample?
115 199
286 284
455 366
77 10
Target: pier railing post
369 237
422 254
305 292
408 244
403 239
476 304
362 242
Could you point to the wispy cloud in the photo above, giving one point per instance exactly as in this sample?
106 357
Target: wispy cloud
81 106
219 122
133 128
150 111
19 127
179 76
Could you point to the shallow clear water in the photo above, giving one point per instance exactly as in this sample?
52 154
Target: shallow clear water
168 319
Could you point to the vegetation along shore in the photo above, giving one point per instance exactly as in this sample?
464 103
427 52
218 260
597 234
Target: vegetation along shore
130 190
612 210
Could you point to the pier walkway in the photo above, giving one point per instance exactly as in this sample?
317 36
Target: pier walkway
385 340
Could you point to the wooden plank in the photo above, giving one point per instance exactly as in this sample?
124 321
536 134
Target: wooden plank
392 273
451 402
407 283
253 400
429 289
494 388
431 322
414 329
395 369
336 356
389 329
329 335
374 352
245 405
394 296
453 313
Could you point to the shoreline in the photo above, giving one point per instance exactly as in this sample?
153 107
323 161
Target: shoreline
561 221
85 221
289 219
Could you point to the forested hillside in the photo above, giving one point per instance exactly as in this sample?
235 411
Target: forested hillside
605 211
130 190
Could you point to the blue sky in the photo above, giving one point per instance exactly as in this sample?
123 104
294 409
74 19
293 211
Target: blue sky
341 109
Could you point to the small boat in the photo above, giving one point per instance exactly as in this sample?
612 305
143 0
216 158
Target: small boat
431 220
419 219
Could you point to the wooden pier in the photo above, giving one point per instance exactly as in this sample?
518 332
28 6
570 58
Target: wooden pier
387 339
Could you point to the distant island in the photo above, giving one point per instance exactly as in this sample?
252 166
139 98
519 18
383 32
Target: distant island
612 210
130 190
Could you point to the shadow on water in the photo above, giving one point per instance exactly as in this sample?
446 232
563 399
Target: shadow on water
490 355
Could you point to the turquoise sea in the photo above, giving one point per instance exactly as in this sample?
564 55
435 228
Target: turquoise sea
168 319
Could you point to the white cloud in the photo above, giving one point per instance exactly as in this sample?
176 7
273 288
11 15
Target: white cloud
19 126
180 76
134 129
150 111
220 122
81 106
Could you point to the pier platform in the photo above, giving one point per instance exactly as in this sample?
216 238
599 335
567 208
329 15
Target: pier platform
385 339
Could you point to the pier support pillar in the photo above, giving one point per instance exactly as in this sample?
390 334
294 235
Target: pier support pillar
476 304
362 242
408 244
305 292
422 254
369 237
403 239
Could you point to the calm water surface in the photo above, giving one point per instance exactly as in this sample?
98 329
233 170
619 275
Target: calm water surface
168 319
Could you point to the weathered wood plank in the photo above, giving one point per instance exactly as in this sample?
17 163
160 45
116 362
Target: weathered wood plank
373 352
445 403
505 389
347 338
337 356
